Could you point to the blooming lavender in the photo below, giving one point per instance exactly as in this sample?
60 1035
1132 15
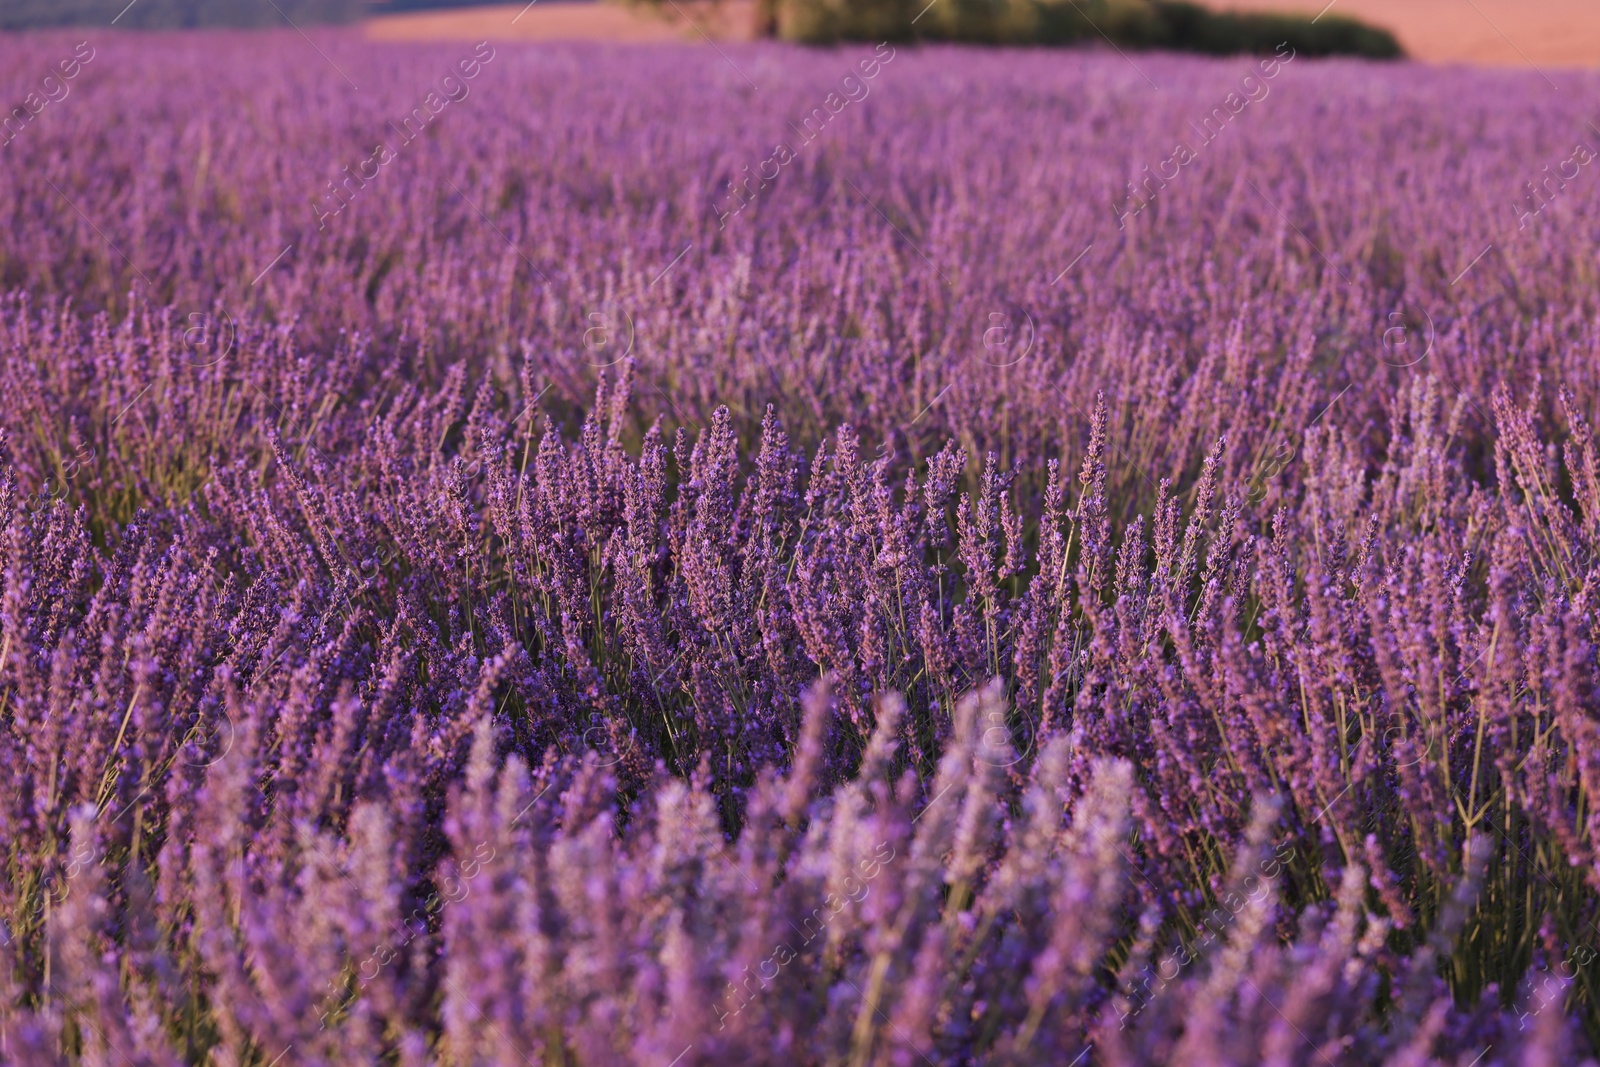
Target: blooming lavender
383 679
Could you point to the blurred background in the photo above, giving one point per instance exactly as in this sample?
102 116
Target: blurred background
1559 33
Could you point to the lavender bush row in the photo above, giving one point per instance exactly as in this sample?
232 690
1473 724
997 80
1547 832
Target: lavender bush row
849 638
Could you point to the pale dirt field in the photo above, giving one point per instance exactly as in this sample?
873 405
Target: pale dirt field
1519 33
1509 33
730 20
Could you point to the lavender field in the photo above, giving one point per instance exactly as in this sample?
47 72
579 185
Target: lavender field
584 555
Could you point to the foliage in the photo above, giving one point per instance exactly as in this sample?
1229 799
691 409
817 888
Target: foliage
1178 26
1190 27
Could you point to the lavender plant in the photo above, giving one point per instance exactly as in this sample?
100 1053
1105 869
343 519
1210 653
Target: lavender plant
519 618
